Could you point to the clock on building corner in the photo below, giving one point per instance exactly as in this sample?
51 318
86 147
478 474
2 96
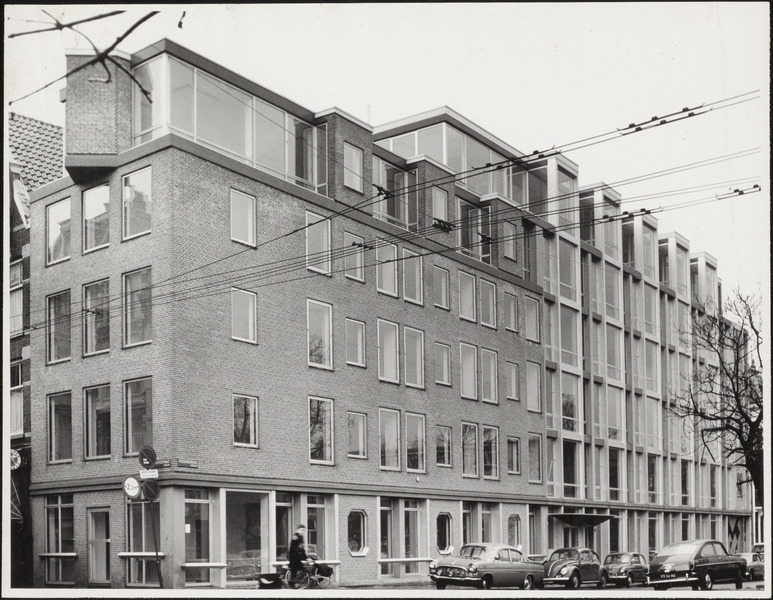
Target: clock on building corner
15 459
131 487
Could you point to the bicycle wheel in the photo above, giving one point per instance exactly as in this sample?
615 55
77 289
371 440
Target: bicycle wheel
298 582
322 581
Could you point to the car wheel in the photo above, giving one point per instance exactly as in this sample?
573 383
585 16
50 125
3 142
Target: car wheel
441 585
485 583
629 580
528 583
739 579
574 581
603 581
707 581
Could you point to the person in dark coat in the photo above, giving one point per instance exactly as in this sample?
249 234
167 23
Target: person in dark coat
297 553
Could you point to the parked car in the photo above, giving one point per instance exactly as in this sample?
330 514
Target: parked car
697 563
573 567
759 549
755 568
485 566
626 568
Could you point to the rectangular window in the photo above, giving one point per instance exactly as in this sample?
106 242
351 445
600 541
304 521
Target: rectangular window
386 269
443 446
97 400
96 317
319 331
389 438
137 203
243 315
138 404
439 204
490 452
511 312
508 242
317 243
513 375
570 406
535 458
99 546
615 413
532 320
440 287
354 260
60 427
96 218
614 370
16 299
60 537
467 296
651 359
533 386
567 267
612 292
488 304
468 371
413 278
358 435
353 167
245 420
488 376
414 442
514 456
414 357
442 364
397 202
138 307
17 401
474 232
320 430
355 343
58 327
139 536
568 335
242 218
469 449
388 345
198 535
58 231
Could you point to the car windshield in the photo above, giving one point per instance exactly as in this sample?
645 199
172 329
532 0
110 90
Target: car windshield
615 559
567 553
678 549
477 552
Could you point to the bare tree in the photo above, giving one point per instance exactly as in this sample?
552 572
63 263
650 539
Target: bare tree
722 406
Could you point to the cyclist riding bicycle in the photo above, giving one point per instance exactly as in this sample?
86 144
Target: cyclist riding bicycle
297 553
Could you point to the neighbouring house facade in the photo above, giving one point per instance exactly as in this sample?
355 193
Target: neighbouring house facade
35 159
314 321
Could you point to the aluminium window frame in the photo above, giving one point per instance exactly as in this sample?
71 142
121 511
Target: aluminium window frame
255 425
254 316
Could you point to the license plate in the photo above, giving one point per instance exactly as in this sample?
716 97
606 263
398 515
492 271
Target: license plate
667 575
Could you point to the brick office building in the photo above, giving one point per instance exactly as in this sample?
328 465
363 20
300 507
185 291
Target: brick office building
35 159
388 376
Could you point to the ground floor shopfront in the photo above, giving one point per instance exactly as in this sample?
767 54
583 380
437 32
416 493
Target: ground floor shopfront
222 536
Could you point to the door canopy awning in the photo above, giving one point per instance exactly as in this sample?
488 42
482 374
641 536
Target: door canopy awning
582 519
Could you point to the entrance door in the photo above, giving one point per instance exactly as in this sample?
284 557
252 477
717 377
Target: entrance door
99 546
387 551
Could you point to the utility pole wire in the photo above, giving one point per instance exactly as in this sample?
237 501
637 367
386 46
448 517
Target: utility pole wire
58 25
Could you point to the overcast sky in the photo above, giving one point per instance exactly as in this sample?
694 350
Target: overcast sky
534 75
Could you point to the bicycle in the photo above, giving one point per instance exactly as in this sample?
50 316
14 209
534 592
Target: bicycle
313 573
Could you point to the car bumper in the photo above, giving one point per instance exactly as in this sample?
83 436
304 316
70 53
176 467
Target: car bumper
685 579
555 580
464 581
619 578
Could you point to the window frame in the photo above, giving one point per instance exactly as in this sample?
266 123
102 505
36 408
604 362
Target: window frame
87 424
495 379
509 246
436 200
493 305
51 432
461 371
385 264
410 259
529 405
84 237
446 288
328 365
359 256
363 550
312 264
495 455
126 305
254 426
127 432
58 360
511 301
124 218
254 316
362 326
446 382
474 317
449 451
475 428
423 449
330 431
253 225
349 172
514 442
87 308
396 328
364 431
420 367
538 437
398 453
512 367
50 262
533 302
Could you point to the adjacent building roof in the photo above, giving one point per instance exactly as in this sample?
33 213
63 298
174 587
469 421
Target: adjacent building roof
38 147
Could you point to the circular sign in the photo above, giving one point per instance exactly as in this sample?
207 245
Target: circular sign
131 487
147 457
151 490
15 459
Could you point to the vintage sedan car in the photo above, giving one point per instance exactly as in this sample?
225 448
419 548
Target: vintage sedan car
755 567
626 568
485 566
573 567
759 549
697 563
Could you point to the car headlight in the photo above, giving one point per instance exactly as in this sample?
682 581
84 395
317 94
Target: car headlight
472 568
432 566
564 571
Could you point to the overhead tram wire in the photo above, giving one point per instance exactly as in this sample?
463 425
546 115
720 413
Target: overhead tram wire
534 156
262 276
